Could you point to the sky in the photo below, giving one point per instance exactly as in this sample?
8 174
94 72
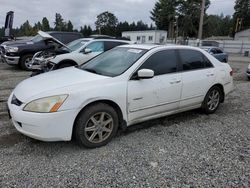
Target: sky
82 12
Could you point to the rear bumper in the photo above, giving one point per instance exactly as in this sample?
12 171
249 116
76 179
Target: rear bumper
11 60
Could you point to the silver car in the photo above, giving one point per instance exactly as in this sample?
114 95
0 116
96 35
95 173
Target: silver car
217 53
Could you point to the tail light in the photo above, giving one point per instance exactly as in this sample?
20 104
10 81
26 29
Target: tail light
231 73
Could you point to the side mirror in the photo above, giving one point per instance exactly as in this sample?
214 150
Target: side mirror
145 74
87 51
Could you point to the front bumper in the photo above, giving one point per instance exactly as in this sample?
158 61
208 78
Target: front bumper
56 126
11 60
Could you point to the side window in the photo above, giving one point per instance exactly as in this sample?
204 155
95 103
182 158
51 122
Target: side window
213 51
219 51
111 44
96 46
162 62
208 64
191 59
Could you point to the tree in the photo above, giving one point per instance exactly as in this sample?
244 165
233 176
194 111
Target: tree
163 14
241 15
26 29
69 26
186 13
45 24
106 23
86 31
60 25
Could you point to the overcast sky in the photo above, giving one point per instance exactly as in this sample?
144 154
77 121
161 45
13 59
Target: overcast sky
82 12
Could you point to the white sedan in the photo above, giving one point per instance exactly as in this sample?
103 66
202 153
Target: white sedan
119 88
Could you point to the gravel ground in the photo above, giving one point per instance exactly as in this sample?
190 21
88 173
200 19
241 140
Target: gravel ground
185 150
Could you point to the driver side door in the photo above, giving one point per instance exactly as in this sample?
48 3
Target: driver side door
160 94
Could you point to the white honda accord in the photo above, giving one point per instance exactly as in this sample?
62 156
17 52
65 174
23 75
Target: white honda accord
119 88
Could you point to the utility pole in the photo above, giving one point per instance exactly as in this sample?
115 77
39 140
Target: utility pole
201 19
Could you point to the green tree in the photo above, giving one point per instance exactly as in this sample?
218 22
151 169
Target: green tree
70 26
60 25
26 29
241 15
163 14
45 24
106 23
86 31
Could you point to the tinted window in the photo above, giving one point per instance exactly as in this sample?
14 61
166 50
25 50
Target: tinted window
111 44
218 51
96 46
162 62
191 59
208 64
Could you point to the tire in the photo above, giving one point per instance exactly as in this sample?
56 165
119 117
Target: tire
64 65
212 100
102 123
24 62
248 77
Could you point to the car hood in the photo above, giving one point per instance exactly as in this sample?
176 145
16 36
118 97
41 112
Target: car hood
17 42
51 81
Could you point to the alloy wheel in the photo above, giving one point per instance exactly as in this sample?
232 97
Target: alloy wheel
213 100
99 127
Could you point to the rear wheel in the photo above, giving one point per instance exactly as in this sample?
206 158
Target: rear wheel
248 77
96 125
26 62
212 100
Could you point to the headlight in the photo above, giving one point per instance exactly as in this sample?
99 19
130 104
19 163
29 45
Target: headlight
11 49
46 105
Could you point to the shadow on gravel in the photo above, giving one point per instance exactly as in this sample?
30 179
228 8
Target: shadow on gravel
164 121
10 140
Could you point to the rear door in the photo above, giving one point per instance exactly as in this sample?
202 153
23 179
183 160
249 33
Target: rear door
160 94
198 75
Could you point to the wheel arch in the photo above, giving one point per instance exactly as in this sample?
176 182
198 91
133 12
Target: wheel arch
70 61
222 89
122 122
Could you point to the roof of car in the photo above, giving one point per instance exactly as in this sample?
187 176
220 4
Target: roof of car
153 46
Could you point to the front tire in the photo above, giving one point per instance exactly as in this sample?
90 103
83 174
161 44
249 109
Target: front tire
96 125
212 100
25 62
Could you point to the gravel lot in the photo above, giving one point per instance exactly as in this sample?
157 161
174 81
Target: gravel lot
185 150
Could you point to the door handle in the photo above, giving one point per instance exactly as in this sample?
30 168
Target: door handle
175 82
210 74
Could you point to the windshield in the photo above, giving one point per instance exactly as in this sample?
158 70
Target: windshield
37 38
114 62
76 44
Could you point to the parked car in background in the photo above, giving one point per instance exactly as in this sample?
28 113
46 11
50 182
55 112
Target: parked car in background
121 87
217 53
248 72
82 50
21 52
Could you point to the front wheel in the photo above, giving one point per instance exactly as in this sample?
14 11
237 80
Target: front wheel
96 125
26 62
212 100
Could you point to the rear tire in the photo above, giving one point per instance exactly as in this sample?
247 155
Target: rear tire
212 100
248 77
96 126
25 62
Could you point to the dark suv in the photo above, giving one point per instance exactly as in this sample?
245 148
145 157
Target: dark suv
21 52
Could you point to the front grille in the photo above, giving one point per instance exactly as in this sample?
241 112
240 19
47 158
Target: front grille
15 101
